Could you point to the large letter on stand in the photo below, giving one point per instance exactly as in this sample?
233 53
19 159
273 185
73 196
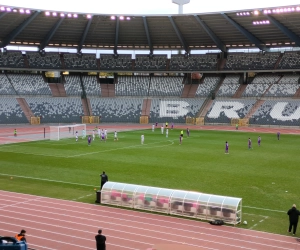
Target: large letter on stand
229 109
277 110
173 109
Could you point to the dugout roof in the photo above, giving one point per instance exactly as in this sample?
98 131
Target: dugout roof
263 28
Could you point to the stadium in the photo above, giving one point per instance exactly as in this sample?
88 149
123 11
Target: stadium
227 76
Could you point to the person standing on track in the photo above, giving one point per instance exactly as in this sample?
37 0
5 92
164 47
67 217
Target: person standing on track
293 214
100 240
15 132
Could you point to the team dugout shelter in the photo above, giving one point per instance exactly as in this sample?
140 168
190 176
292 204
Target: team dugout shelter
176 202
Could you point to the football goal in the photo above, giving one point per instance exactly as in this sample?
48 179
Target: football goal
66 131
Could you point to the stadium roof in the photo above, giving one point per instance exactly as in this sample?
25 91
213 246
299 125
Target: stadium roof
263 29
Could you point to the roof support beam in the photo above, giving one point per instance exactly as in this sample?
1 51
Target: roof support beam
290 34
212 35
117 36
3 14
253 39
83 37
18 30
179 35
148 35
50 34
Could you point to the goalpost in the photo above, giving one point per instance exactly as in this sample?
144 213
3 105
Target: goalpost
66 131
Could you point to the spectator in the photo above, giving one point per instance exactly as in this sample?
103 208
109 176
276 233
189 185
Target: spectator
21 236
293 214
100 240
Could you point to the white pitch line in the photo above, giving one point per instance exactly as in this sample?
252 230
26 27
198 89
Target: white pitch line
266 209
41 179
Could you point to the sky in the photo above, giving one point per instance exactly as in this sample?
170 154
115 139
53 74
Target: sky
139 7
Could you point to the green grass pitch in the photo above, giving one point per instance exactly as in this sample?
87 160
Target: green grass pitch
70 170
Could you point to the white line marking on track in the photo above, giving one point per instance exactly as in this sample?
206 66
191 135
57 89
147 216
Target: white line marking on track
67 214
71 236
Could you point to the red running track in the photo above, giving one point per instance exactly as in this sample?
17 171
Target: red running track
67 225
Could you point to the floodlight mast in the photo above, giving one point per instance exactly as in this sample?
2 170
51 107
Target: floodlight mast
180 4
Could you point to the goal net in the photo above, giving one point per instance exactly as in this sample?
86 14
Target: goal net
66 131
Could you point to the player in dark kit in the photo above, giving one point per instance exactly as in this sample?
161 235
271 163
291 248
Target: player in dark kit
278 135
180 139
100 240
89 140
226 147
258 141
104 179
188 132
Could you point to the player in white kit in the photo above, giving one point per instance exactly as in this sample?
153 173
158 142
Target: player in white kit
167 132
142 139
116 136
153 126
162 129
76 135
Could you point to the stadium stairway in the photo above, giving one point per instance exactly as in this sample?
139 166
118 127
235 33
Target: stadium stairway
240 91
54 89
61 89
297 94
192 90
271 86
85 106
278 61
254 108
25 108
146 107
111 90
205 107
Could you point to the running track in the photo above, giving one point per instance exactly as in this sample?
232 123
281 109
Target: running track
67 225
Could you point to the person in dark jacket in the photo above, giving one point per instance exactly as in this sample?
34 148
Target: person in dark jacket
293 214
104 179
100 240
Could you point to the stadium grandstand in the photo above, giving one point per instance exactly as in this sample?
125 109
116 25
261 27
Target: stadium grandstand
220 66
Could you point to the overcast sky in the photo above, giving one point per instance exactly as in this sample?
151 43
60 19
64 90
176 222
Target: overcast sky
144 6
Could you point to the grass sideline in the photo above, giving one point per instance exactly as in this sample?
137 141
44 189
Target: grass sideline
70 170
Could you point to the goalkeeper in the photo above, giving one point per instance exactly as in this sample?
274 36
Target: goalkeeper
83 133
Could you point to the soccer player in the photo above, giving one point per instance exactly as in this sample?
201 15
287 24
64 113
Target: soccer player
142 139
105 134
180 140
153 127
83 133
99 133
249 144
103 138
181 133
188 132
15 132
76 135
258 141
237 126
89 140
162 129
94 134
167 124
226 147
278 135
172 125
167 132
116 136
